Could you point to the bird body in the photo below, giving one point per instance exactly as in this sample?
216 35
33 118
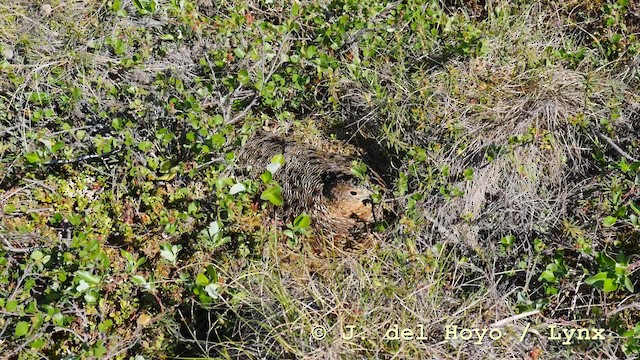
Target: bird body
316 182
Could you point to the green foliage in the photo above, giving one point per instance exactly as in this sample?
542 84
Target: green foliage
273 194
207 287
553 272
170 252
632 346
298 228
214 234
506 243
613 273
611 31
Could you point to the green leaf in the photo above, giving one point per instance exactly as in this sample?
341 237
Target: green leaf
138 280
141 261
218 140
32 157
88 277
22 328
609 285
266 177
358 169
311 51
605 260
278 159
170 252
75 220
82 286
222 241
202 280
218 119
117 123
37 255
127 255
508 240
99 350
105 325
609 221
548 276
39 97
620 269
468 174
9 209
12 305
243 77
239 53
276 162
58 319
145 145
212 273
57 146
615 38
601 276
214 228
628 284
165 166
38 343
273 195
302 221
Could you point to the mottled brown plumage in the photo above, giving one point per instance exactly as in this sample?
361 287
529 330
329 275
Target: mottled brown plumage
317 182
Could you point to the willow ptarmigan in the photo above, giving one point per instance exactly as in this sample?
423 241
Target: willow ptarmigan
317 182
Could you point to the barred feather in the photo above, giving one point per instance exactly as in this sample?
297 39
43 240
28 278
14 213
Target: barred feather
314 181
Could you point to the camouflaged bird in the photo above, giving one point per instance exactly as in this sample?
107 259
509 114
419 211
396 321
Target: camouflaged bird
317 182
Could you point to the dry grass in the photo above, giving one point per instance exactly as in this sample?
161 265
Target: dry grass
291 294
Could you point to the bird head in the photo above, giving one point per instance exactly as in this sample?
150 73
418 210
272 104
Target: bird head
349 200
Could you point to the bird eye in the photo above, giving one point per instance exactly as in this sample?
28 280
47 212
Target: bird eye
354 193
